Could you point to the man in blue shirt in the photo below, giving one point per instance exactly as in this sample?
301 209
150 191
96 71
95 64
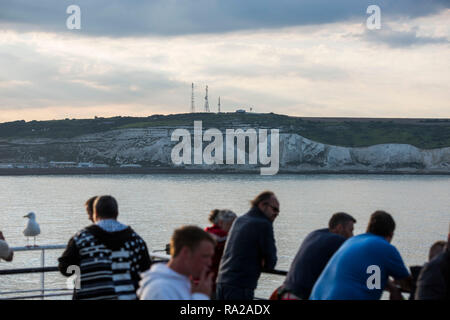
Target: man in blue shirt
360 269
313 255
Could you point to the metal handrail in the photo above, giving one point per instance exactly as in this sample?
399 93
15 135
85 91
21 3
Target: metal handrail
28 270
39 296
35 290
37 248
42 270
275 271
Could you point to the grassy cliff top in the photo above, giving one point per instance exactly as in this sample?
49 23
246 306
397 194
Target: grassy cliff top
349 132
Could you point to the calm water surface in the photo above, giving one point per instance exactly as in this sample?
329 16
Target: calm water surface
156 204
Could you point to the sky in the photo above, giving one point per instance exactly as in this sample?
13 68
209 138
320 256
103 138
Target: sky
312 58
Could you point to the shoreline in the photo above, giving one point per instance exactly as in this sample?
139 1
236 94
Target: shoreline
168 170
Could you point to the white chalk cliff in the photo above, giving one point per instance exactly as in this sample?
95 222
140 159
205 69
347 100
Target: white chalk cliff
152 147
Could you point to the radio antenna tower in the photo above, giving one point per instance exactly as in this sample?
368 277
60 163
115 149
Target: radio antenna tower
206 101
192 99
219 105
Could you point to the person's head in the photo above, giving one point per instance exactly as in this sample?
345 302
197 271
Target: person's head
382 224
436 248
90 208
192 250
342 223
268 203
222 218
105 207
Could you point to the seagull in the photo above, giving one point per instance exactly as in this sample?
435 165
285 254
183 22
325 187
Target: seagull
32 229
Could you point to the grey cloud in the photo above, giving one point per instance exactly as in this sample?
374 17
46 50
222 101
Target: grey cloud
175 17
41 83
400 39
313 72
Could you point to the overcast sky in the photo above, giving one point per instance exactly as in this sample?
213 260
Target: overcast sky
295 57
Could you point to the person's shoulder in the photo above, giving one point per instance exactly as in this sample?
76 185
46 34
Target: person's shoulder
88 229
383 246
432 268
133 234
364 240
131 231
250 219
438 260
84 232
373 240
321 231
262 224
326 234
319 235
370 237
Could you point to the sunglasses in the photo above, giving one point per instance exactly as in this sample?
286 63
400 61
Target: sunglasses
275 209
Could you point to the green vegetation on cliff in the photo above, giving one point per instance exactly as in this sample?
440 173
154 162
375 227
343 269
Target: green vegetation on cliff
349 132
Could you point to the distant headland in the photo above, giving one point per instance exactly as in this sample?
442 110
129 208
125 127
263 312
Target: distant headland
306 144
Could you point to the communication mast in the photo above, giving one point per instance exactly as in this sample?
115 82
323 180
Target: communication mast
219 105
192 99
206 101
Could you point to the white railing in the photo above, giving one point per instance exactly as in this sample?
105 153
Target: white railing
43 269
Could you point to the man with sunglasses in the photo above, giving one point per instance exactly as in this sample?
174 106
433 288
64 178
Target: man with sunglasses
249 249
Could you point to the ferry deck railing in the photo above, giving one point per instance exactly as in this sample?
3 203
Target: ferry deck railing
42 270
43 292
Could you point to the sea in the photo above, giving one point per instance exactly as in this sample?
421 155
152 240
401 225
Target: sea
156 204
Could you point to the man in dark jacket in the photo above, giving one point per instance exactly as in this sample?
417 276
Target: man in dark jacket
435 249
434 279
110 256
249 249
313 255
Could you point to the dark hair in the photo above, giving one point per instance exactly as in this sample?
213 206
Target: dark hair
106 207
90 207
188 236
436 248
340 218
213 215
381 223
262 197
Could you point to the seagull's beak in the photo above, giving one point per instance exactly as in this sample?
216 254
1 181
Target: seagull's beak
26 216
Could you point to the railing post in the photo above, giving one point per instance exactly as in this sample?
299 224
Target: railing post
42 273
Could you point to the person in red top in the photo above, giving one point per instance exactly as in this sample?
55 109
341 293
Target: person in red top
222 221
